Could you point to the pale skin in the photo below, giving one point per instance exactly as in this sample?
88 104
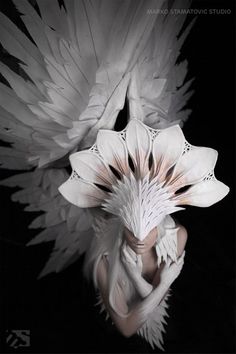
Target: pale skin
152 279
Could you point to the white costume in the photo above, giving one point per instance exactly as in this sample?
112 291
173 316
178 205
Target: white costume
140 196
85 60
166 249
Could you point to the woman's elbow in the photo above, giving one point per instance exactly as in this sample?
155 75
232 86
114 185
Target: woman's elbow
126 332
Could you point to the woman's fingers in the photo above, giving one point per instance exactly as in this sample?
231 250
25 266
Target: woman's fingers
139 263
126 255
181 258
169 274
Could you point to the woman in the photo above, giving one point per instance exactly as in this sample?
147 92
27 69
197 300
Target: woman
131 307
138 250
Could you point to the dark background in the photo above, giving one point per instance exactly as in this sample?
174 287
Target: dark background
59 309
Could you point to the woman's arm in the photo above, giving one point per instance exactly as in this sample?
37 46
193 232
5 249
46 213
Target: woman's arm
140 312
134 271
182 237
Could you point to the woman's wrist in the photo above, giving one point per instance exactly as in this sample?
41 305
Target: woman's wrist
142 286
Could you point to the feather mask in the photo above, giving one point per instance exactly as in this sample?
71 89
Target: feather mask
142 174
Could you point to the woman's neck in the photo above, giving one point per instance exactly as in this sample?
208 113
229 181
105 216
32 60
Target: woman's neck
149 254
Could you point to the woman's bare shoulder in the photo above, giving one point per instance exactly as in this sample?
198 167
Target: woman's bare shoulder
182 236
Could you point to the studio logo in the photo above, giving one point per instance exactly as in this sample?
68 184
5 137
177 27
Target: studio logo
16 338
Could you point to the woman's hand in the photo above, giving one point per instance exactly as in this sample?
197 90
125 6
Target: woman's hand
130 259
169 274
133 266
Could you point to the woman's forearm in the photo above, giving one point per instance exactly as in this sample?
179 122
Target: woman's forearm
141 285
140 312
135 317
147 306
134 273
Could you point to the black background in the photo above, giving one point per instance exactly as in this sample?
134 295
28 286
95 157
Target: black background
59 309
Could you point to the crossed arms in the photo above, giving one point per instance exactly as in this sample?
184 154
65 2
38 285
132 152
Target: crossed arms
151 296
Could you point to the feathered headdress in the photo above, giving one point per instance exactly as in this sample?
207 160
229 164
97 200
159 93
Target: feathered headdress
139 175
86 58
